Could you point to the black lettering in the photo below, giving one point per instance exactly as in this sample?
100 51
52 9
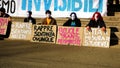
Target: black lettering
43 28
10 5
51 39
13 6
43 39
49 34
35 38
39 28
6 3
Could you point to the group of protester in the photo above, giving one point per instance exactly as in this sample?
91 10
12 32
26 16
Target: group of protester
96 20
73 21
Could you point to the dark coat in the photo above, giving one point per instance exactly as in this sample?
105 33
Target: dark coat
77 22
5 15
94 23
30 18
8 27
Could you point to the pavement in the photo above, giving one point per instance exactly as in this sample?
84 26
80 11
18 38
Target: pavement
26 54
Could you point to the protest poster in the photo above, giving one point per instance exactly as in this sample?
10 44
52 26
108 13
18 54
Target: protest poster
3 26
21 31
69 35
44 33
96 37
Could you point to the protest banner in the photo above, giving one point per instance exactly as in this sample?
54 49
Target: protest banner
3 26
96 38
59 8
44 33
69 35
21 31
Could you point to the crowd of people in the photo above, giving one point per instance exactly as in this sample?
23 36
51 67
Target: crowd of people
96 20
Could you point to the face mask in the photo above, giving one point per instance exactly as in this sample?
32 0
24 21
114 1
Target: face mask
47 15
27 14
73 17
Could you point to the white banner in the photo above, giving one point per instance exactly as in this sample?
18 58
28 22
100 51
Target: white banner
59 8
21 30
96 38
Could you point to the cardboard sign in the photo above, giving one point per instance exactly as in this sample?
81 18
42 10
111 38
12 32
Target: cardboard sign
96 38
69 35
44 33
21 30
3 26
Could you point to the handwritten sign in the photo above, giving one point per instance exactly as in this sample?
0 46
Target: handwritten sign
96 38
21 30
44 33
69 35
3 25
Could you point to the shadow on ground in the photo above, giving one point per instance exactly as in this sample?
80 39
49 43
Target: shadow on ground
113 38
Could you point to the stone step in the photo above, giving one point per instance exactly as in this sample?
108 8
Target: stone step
106 19
117 14
111 18
113 25
117 34
84 21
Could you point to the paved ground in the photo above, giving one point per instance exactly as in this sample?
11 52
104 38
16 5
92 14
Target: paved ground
25 54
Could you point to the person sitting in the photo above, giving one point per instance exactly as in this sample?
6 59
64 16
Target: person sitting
3 14
97 22
30 18
49 20
73 21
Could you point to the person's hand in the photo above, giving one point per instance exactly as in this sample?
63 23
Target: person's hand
88 28
9 19
103 29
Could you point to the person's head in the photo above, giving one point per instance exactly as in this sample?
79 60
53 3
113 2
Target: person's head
48 13
29 13
97 16
73 16
2 11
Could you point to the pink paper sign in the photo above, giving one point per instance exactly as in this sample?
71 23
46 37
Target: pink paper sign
3 25
69 35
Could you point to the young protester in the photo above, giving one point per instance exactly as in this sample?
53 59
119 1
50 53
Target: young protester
30 18
73 21
97 22
49 20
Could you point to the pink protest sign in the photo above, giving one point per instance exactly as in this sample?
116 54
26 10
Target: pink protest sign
69 35
3 25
